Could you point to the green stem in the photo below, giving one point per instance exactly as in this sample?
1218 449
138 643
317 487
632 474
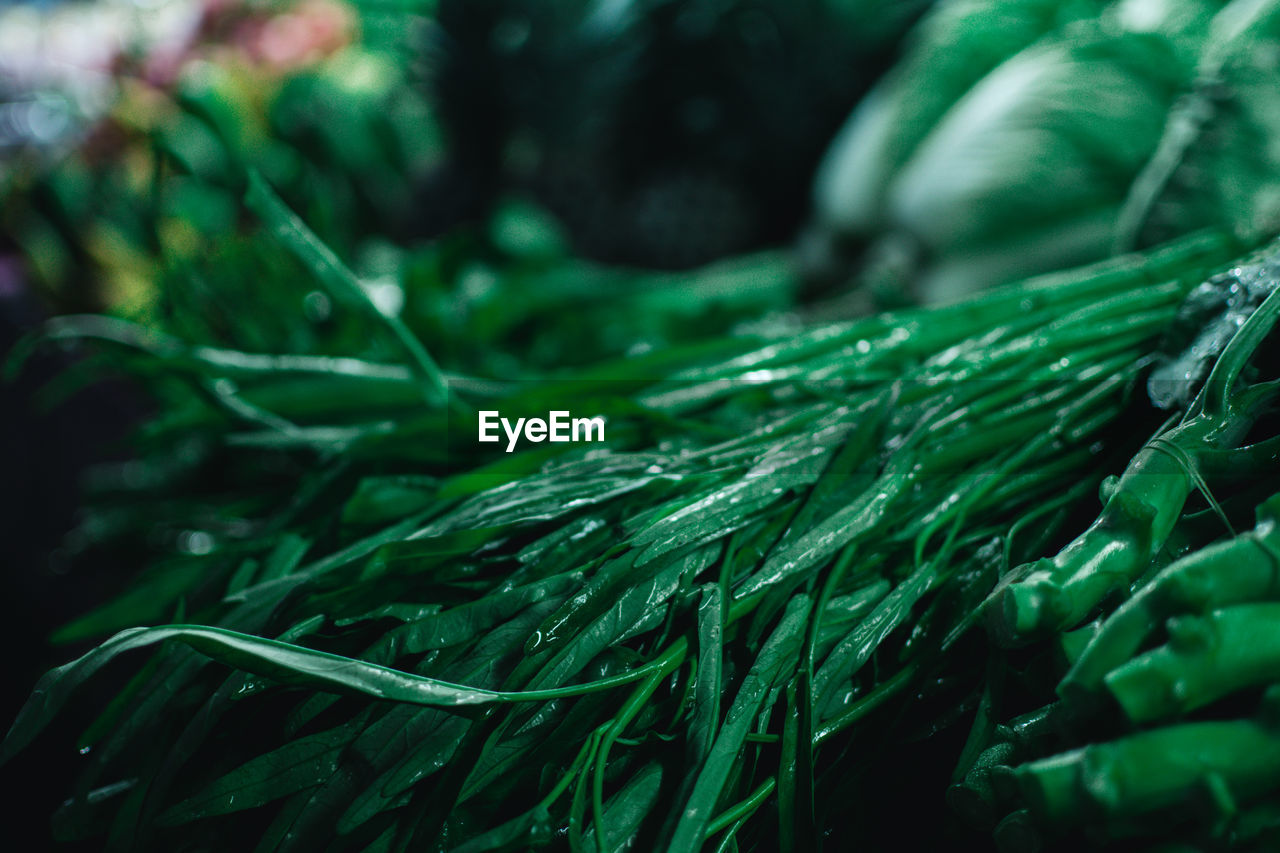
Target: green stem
1244 569
1207 657
342 282
671 659
744 808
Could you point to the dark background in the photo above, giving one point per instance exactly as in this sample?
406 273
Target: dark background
44 453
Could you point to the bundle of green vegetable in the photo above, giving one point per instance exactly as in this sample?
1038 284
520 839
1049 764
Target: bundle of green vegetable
1021 136
752 616
1169 699
704 631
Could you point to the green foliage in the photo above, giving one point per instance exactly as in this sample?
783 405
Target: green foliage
1022 136
668 637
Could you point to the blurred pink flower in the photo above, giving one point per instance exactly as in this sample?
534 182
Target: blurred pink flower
301 36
